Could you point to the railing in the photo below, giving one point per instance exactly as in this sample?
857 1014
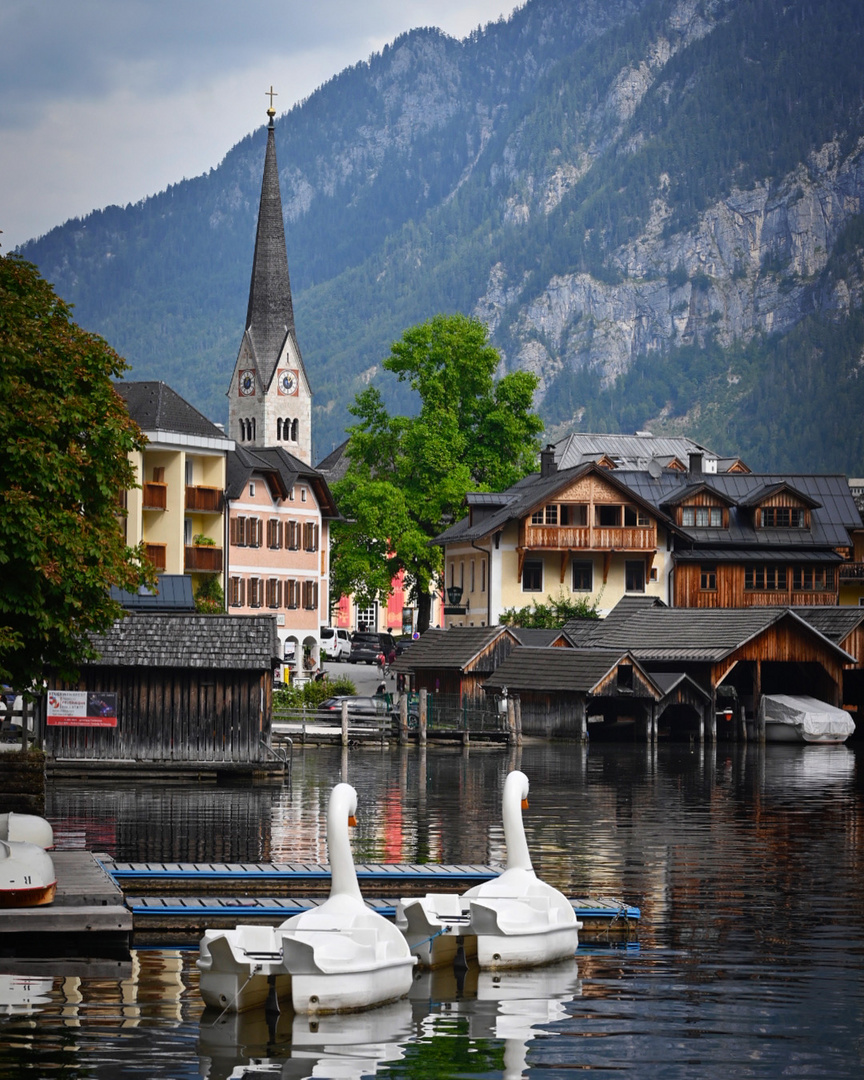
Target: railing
449 712
591 537
204 559
156 555
206 500
155 496
852 572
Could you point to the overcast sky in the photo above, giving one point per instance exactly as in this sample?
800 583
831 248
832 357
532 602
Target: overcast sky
107 101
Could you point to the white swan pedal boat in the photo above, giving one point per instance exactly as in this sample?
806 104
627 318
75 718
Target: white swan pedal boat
338 957
514 920
27 877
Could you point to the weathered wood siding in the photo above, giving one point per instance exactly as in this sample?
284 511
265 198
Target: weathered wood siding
173 715
551 715
730 591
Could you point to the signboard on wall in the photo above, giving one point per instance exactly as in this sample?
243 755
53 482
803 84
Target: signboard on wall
81 708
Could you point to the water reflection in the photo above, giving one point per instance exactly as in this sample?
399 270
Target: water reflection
747 864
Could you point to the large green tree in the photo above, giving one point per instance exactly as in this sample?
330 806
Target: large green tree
65 436
408 475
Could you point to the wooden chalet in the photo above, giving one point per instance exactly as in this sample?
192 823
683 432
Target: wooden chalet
562 690
458 661
190 690
748 540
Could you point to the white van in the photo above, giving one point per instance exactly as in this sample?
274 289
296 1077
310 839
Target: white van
336 642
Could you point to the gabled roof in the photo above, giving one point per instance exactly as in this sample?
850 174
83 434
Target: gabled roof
699 634
459 647
678 497
335 465
759 496
835 622
281 471
575 670
669 680
236 642
155 407
533 491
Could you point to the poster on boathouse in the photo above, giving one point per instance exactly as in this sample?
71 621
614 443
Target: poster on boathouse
81 708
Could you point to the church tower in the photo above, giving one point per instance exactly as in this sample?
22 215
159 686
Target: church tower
270 402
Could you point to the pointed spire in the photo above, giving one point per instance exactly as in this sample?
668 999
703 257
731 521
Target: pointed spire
270 314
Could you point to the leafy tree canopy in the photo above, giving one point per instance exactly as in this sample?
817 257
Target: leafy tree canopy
408 476
65 435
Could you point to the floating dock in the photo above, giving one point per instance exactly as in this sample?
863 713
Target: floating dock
93 917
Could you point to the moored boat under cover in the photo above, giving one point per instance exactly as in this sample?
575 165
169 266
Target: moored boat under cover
793 718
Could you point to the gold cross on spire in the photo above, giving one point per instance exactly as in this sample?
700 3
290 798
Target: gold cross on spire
271 93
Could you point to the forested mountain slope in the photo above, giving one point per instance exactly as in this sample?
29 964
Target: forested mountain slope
655 204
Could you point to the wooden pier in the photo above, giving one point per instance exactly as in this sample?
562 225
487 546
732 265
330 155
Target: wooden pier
87 900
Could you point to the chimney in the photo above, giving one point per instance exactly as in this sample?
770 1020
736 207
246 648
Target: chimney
695 464
547 462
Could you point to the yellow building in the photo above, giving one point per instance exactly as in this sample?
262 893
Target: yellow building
179 509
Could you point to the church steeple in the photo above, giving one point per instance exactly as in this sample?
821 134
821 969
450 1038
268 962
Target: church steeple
270 400
270 314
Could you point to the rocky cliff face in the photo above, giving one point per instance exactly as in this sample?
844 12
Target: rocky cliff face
753 263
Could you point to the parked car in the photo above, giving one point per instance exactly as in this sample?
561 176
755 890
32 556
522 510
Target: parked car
357 705
367 646
336 642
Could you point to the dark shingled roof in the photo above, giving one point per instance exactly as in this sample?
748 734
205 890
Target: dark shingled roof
235 642
668 680
335 465
154 406
453 648
836 623
270 314
704 634
281 470
575 670
833 511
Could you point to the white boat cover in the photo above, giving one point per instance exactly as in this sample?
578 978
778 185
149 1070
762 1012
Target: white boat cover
814 718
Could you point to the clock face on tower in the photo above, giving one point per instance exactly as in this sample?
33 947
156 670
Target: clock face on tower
246 383
288 381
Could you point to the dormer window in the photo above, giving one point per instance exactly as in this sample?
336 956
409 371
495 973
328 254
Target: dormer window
702 517
784 517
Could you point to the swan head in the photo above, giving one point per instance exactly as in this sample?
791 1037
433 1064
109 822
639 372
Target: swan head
343 804
516 789
341 814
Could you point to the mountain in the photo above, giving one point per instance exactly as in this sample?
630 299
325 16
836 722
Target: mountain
656 205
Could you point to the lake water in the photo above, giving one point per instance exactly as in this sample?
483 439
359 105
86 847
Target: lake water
747 864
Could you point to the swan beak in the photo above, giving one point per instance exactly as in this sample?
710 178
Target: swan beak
524 804
352 820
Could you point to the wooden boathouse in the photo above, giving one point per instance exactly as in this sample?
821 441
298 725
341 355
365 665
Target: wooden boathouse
457 662
191 691
559 689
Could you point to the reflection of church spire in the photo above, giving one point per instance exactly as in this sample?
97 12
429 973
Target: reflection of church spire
270 315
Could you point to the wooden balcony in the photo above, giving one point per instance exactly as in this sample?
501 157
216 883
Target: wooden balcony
590 538
851 573
155 496
156 555
202 559
204 500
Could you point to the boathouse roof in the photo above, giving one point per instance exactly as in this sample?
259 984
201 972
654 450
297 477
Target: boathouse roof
463 647
580 671
236 642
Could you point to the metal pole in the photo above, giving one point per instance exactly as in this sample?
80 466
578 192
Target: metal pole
344 723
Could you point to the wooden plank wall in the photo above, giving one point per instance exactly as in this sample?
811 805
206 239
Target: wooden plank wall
730 591
172 714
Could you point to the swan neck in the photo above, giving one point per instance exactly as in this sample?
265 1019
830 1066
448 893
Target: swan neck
343 875
518 856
